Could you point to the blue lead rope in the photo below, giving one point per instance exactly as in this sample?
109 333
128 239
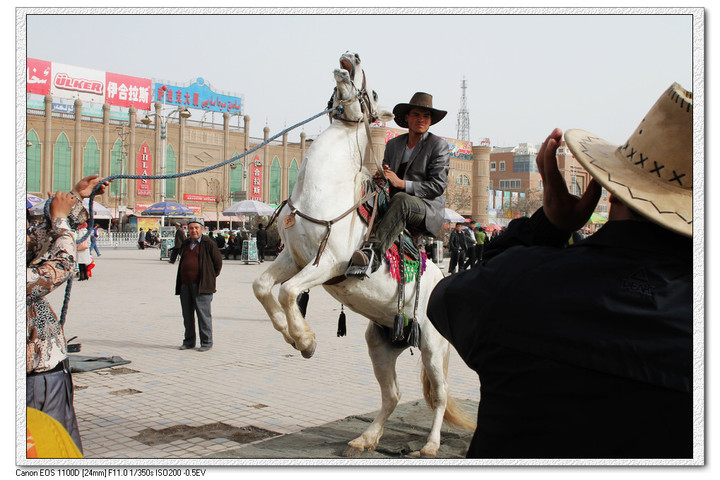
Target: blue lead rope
91 219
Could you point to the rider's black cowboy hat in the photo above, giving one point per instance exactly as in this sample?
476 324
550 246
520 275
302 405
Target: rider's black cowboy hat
419 100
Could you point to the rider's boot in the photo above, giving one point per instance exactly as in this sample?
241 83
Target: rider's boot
364 262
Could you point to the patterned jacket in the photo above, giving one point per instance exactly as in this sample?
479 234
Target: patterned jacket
50 258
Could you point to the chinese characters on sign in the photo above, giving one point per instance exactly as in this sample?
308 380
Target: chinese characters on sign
256 176
144 167
197 95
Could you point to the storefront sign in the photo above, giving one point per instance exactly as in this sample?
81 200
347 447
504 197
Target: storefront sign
126 91
197 95
144 167
140 206
197 209
94 86
69 81
461 149
38 76
198 198
256 177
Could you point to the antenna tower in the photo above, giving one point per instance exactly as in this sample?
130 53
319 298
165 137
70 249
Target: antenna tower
463 118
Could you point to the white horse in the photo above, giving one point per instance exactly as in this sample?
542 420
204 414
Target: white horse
329 184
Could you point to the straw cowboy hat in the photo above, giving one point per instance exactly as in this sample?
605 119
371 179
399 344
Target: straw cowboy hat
652 172
421 100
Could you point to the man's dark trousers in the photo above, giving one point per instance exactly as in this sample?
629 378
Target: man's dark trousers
192 302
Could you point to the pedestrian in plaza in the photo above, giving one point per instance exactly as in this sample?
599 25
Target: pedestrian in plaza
480 238
262 240
200 264
93 241
141 240
457 247
220 240
179 239
83 254
416 165
469 232
596 360
50 262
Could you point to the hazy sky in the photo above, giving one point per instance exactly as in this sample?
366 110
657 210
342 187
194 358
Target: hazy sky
525 73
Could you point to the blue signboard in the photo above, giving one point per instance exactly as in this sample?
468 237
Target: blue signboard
197 95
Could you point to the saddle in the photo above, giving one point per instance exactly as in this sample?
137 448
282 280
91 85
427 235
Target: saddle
409 247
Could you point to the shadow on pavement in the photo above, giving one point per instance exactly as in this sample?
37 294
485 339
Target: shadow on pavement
405 431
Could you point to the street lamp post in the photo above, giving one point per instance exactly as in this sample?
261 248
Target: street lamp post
163 118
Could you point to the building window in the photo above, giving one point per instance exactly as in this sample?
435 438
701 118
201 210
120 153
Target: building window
91 158
62 158
493 166
524 163
502 166
116 168
462 180
34 161
292 176
275 175
512 184
236 175
170 168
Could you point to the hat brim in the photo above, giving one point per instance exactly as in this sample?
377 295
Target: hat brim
402 109
659 202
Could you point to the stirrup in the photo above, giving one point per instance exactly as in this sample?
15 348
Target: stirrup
361 263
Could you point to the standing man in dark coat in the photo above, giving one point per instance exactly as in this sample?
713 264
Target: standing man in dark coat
416 164
458 247
179 239
200 264
586 351
261 242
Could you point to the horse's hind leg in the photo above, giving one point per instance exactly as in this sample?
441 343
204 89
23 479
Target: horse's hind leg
384 357
283 268
434 349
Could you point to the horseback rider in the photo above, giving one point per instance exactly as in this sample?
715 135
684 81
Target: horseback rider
416 165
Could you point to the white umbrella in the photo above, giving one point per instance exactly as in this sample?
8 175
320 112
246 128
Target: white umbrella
99 210
249 207
453 216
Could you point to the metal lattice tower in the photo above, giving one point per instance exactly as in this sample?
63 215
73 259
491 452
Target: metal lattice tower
463 118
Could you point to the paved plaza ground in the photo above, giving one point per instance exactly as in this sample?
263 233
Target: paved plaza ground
252 395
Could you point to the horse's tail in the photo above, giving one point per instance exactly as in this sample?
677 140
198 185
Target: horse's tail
454 415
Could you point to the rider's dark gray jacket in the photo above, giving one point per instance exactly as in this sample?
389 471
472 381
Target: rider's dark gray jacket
428 170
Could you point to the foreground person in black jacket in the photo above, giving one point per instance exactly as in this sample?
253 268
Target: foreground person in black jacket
587 351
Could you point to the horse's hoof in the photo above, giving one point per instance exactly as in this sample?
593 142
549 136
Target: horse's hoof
310 351
351 451
425 453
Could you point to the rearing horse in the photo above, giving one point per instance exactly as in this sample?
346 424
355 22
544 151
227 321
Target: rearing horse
321 211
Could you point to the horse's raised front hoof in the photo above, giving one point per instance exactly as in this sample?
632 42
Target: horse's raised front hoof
310 351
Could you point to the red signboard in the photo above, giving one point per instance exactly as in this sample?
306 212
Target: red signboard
126 91
197 209
256 176
191 197
38 76
144 167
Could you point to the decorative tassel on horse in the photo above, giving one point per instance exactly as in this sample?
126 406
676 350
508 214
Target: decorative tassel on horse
414 335
342 329
400 317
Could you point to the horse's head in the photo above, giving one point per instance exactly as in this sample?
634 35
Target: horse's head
353 93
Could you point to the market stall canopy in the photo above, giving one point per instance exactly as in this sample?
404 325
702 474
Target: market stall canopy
453 217
249 207
99 211
597 218
32 200
167 209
